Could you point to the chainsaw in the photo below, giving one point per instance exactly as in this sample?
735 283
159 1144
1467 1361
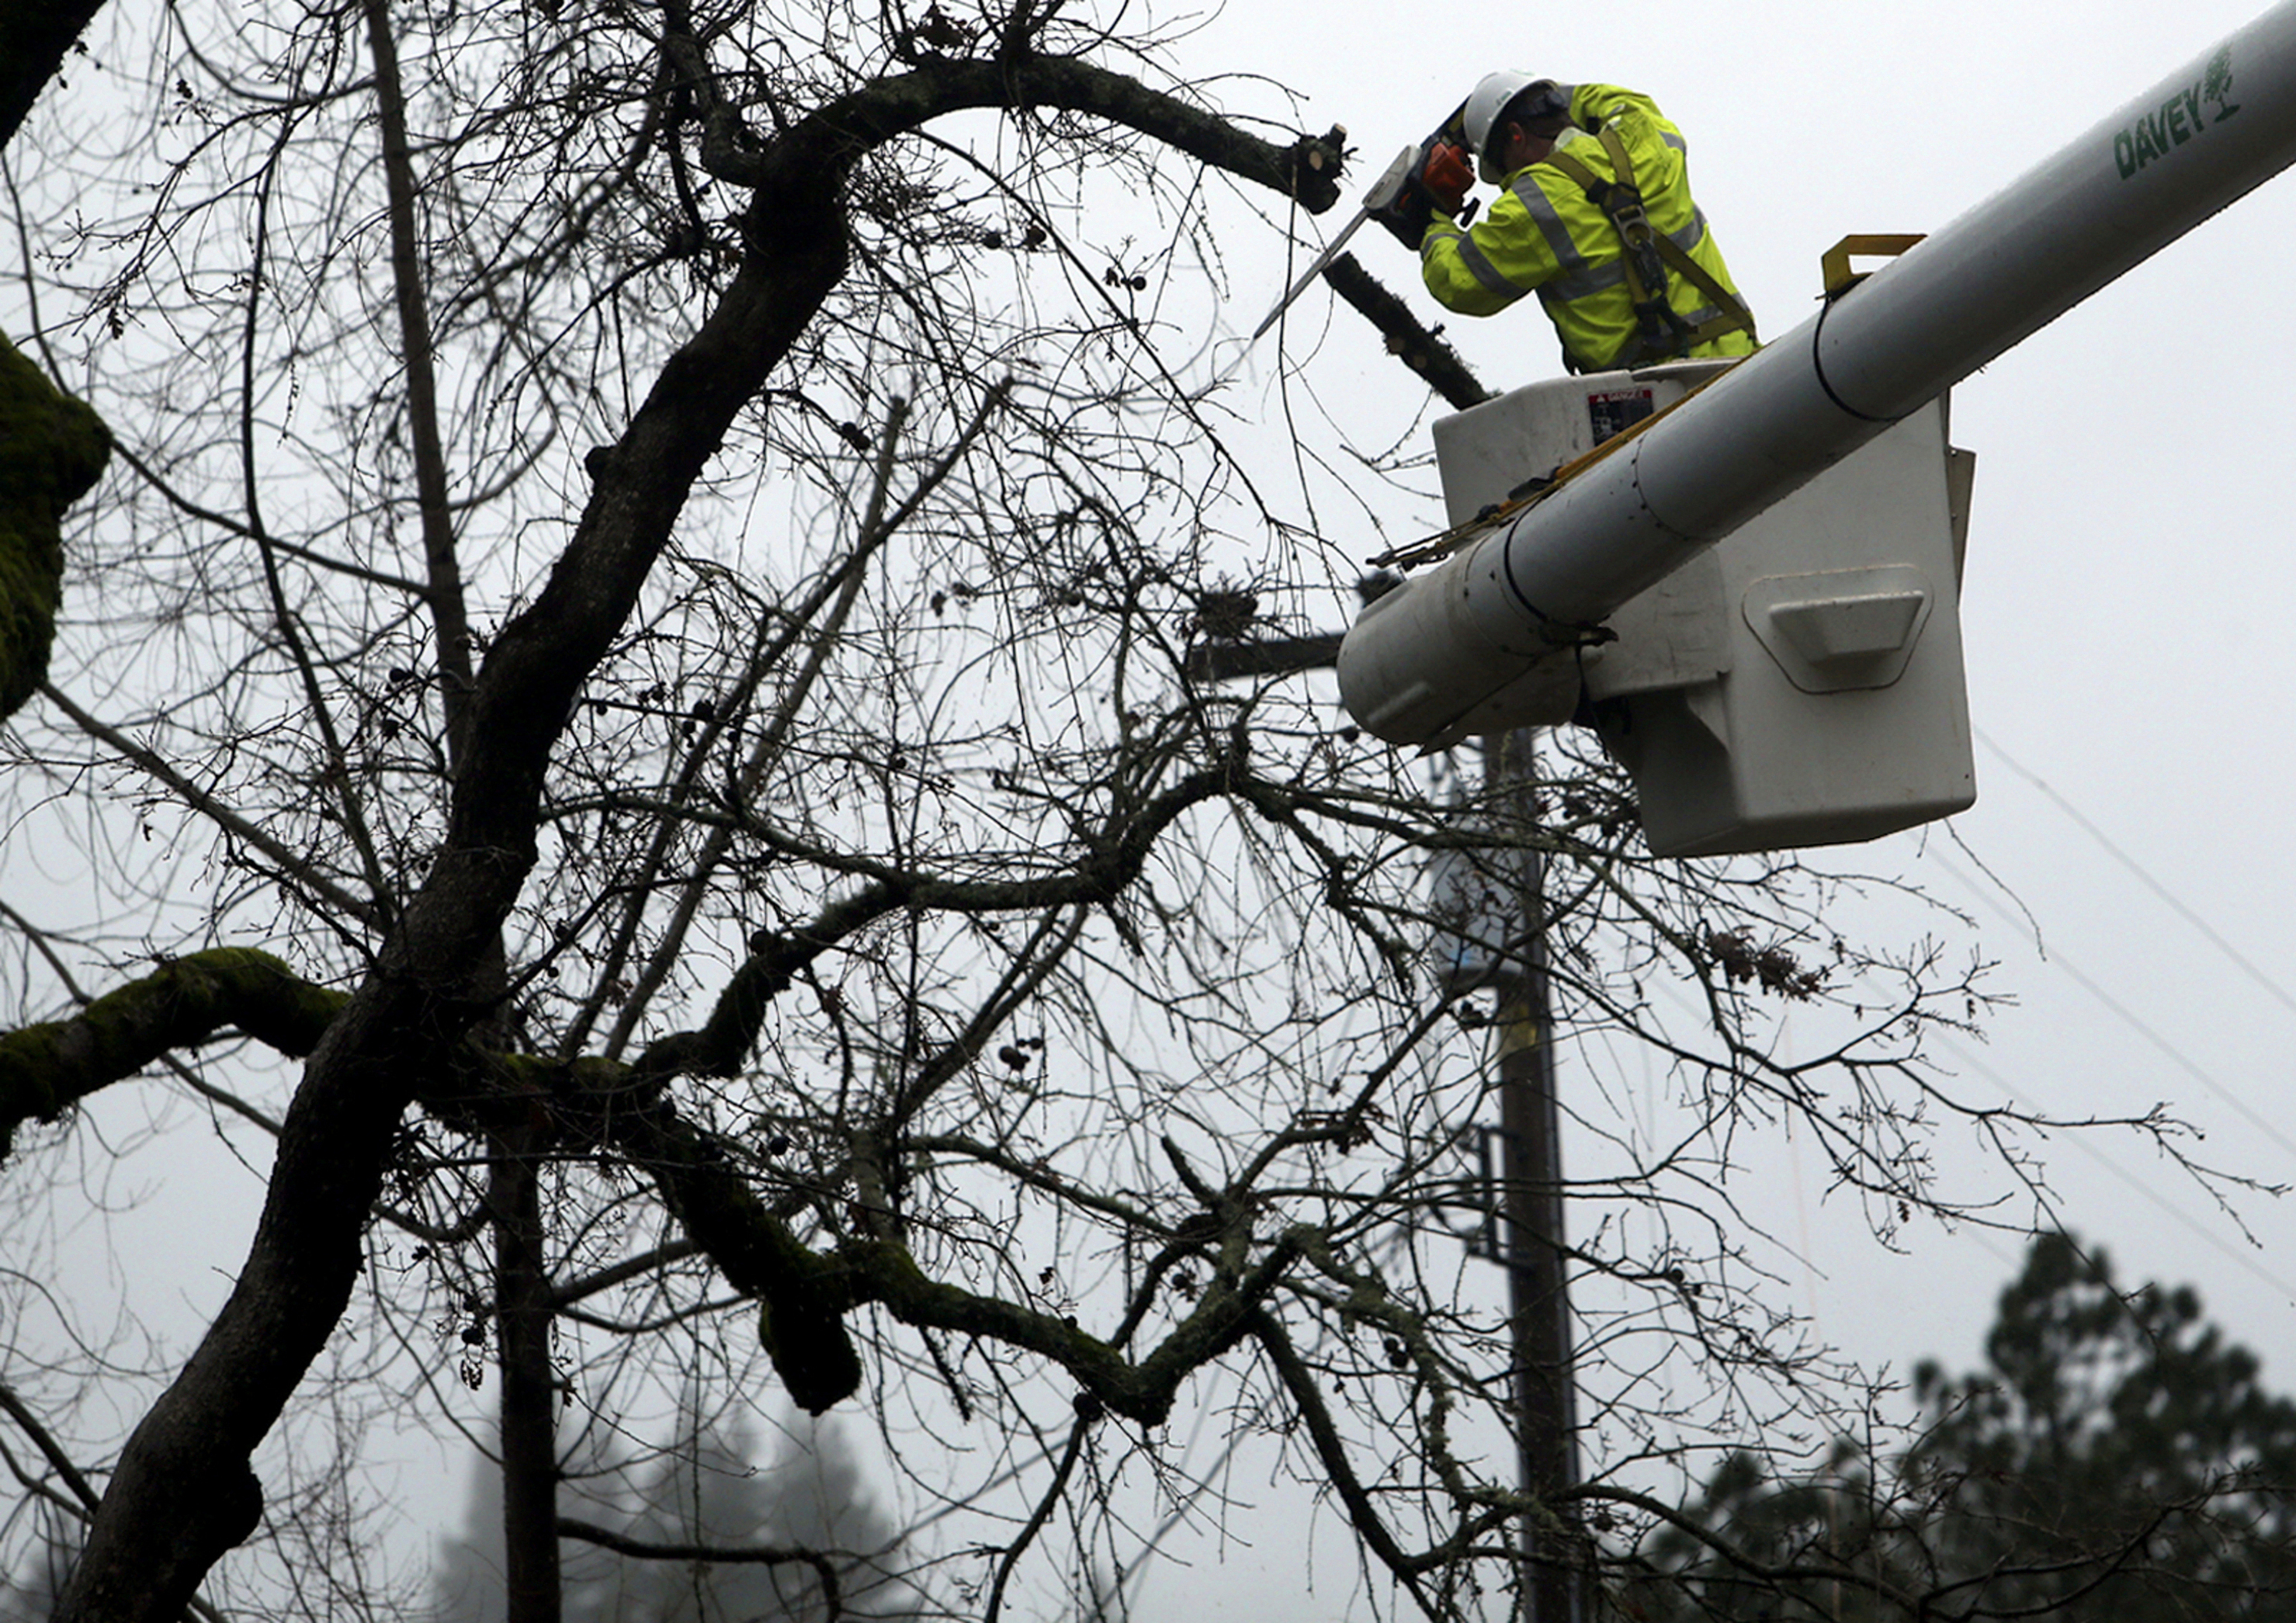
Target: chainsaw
1401 199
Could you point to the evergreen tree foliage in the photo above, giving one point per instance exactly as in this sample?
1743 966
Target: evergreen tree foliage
2117 1462
715 1489
28 1593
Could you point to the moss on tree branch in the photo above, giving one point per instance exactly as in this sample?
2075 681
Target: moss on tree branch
51 450
47 1068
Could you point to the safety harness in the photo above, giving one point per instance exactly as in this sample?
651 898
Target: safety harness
1650 253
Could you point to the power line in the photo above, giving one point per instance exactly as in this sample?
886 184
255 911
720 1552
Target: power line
2207 930
2206 1232
2072 970
2129 1017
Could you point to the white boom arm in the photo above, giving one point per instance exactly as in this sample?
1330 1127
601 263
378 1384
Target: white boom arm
1424 656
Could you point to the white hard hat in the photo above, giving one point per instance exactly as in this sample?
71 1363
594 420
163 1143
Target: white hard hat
1490 99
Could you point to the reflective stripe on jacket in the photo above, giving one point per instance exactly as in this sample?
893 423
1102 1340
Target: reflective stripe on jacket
1542 235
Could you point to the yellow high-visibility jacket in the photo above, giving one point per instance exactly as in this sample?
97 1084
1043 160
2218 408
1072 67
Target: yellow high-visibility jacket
1542 235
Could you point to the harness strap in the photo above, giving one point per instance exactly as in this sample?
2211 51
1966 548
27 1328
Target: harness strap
1650 254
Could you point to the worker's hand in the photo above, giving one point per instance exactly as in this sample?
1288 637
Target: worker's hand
1447 175
1548 100
1408 217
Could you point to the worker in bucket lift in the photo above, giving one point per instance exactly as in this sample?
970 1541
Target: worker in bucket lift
1594 216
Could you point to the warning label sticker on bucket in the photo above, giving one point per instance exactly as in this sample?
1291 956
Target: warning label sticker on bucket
1617 409
1611 411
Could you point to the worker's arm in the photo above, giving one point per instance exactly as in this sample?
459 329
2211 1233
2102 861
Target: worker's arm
1656 146
1481 271
1460 273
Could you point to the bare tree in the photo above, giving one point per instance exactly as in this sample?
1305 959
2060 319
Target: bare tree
642 643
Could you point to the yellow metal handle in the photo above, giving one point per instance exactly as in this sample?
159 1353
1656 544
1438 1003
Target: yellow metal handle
1840 278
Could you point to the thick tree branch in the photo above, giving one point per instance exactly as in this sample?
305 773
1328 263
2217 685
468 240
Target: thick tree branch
51 450
46 1069
35 39
886 108
1407 338
531 1587
803 1295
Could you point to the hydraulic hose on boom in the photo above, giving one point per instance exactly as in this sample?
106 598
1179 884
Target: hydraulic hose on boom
1424 656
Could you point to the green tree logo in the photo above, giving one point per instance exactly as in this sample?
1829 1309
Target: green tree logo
2218 86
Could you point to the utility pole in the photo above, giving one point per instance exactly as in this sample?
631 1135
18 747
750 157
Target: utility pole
1538 1292
1528 1236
